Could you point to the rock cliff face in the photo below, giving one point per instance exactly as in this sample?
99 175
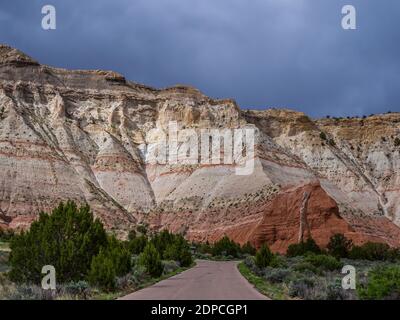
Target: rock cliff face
88 135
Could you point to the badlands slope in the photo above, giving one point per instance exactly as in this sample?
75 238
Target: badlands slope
85 135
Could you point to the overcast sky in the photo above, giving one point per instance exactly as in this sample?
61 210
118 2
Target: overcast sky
262 53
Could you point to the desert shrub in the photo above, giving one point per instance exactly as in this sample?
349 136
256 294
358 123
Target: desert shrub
173 247
357 253
311 287
305 266
322 135
150 259
67 239
302 248
383 283
169 266
397 142
278 261
324 262
162 240
203 256
139 274
277 275
119 255
250 262
226 247
30 292
339 246
178 250
80 289
247 248
6 234
4 256
371 251
113 261
301 287
263 257
335 291
124 281
141 229
137 244
205 248
103 272
131 235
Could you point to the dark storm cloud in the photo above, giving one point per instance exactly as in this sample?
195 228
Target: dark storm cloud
263 53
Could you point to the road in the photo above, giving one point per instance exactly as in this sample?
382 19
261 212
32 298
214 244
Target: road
208 280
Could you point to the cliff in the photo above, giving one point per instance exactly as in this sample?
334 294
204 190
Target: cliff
86 135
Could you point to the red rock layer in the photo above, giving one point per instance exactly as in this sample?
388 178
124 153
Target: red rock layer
280 224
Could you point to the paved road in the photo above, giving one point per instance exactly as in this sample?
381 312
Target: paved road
208 280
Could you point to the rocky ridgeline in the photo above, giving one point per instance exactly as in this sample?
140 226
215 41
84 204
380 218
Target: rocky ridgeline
84 135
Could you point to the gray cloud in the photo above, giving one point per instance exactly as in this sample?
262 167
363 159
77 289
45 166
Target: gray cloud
263 53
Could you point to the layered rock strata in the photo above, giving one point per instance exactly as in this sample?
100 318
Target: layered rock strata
89 135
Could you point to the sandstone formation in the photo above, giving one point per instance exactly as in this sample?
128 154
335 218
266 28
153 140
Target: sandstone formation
88 135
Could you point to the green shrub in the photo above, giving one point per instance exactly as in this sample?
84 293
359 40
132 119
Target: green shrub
305 266
29 292
383 283
80 289
324 262
171 253
179 251
278 261
300 287
139 274
141 229
172 247
250 263
6 234
334 291
162 240
371 251
302 248
113 261
137 245
131 235
339 246
226 247
205 248
264 257
68 239
277 275
150 259
4 256
169 266
397 142
103 272
322 135
247 248
119 255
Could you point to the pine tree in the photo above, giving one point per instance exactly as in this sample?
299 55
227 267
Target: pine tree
339 246
102 272
150 259
67 239
264 257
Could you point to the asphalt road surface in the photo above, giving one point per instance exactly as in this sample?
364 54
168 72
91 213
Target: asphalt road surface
208 280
